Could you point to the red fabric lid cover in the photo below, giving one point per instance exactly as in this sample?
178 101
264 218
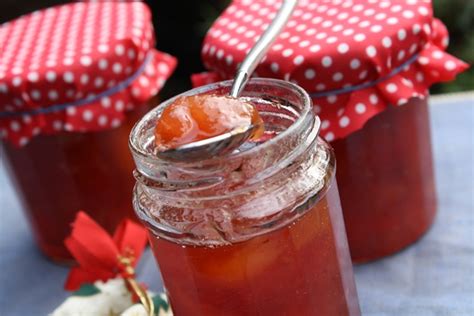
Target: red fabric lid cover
355 57
77 67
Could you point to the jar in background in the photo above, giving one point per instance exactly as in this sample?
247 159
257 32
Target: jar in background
67 105
256 232
57 175
393 201
367 67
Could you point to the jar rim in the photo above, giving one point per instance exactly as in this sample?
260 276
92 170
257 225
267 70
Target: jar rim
299 123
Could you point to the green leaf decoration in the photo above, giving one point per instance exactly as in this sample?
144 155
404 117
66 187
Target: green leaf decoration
86 289
160 303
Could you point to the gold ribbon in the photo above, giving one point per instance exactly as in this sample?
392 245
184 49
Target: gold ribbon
145 298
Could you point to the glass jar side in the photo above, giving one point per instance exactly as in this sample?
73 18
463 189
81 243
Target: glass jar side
300 269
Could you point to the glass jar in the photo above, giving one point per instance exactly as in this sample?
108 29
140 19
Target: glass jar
256 232
386 181
55 176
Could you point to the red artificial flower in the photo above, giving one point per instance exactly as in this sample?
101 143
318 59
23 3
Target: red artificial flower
98 254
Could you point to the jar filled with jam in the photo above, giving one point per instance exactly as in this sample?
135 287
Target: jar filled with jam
395 196
367 67
258 231
69 97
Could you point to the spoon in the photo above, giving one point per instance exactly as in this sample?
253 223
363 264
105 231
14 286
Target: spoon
229 141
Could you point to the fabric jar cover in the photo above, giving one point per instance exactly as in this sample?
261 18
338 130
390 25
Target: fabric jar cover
354 57
78 68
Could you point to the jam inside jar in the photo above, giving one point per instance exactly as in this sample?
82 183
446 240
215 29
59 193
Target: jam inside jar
386 181
255 232
55 176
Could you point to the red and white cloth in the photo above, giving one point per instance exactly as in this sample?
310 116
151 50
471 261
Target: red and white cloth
77 67
355 57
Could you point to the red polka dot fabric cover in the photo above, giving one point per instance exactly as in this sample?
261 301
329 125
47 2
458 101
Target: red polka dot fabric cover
355 57
78 68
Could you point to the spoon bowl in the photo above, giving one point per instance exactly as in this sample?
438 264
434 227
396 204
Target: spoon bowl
210 147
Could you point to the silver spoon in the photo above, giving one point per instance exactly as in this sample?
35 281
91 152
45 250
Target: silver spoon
229 141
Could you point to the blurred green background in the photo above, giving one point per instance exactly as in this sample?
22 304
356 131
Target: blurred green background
458 15
181 25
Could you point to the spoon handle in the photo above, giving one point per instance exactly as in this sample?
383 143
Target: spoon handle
261 47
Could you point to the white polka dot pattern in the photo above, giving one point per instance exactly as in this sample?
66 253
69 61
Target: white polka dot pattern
71 54
330 45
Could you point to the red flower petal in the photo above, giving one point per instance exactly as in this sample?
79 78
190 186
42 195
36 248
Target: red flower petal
91 246
98 254
130 236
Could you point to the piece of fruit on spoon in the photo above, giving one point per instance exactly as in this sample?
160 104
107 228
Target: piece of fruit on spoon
192 118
